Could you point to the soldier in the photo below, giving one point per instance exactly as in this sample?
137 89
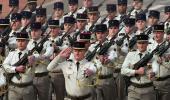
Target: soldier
140 23
57 78
86 5
41 15
14 6
26 18
167 15
141 87
162 82
78 73
122 7
58 12
106 88
15 26
21 87
32 4
111 13
81 22
137 4
73 7
94 16
153 18
41 56
113 29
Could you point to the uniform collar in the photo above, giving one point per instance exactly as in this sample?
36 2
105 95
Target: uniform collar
23 52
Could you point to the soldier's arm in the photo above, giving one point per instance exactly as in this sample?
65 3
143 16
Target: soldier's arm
126 70
7 64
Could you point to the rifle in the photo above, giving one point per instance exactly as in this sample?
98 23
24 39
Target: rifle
74 38
90 55
120 41
163 49
42 4
60 40
103 50
24 60
143 62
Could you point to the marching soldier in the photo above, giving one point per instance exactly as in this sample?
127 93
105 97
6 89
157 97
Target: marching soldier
73 7
41 16
58 12
167 15
141 87
122 7
41 56
4 23
153 18
21 87
57 78
25 20
81 22
106 88
78 73
15 26
32 4
137 4
162 77
140 23
111 13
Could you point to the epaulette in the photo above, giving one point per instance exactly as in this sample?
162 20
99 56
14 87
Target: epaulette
70 60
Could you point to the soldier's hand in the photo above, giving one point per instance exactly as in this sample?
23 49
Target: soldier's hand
140 71
106 60
160 60
20 69
151 75
88 72
101 58
65 53
31 59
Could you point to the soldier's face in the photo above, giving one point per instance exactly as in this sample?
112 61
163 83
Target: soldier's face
100 36
40 19
158 36
73 7
128 29
24 21
112 15
93 17
67 26
122 8
87 3
142 46
22 44
79 54
138 5
36 34
152 21
32 6
81 24
15 24
113 30
54 31
58 12
140 24
167 15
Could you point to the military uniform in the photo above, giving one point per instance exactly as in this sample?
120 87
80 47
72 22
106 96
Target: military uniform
142 88
166 10
76 82
57 77
21 86
105 88
41 79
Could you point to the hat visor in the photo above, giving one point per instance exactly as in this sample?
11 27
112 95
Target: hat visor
84 39
82 19
92 12
53 25
22 38
31 2
78 48
142 41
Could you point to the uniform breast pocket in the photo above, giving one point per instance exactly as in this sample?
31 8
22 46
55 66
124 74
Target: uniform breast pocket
69 73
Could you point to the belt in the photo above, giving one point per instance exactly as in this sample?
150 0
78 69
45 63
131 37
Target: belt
41 74
142 85
79 97
105 76
22 84
162 78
